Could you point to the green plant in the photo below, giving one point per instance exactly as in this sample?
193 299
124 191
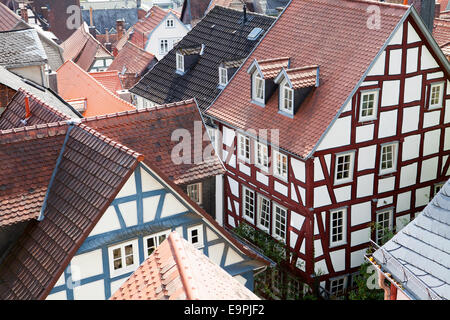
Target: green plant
362 290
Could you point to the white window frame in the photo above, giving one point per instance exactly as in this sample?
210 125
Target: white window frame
223 73
276 165
199 187
335 243
441 95
255 78
285 88
157 241
375 105
124 269
243 142
170 25
259 161
390 222
436 186
352 162
179 62
394 146
259 217
213 134
344 286
244 204
199 229
275 234
163 46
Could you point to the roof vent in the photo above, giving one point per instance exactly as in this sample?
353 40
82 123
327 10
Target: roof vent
256 32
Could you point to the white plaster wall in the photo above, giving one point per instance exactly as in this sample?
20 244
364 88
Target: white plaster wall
87 264
422 196
395 61
360 236
364 133
234 186
403 201
408 175
431 119
429 169
321 197
260 177
129 213
412 56
387 124
357 258
232 257
431 142
338 260
364 185
343 193
397 38
219 199
90 291
366 157
244 169
129 188
108 222
411 146
318 173
298 168
318 251
172 206
338 135
150 205
391 91
361 213
280 188
377 68
228 136
386 184
149 183
427 60
410 119
412 34
57 296
413 89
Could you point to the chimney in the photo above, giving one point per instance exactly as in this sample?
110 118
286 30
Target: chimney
91 18
44 12
108 44
120 23
27 108
24 14
52 81
426 9
245 12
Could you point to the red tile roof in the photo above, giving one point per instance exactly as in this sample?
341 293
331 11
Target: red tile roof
76 84
41 113
109 79
441 31
328 33
178 271
143 27
149 132
131 59
303 77
83 48
91 172
270 68
8 18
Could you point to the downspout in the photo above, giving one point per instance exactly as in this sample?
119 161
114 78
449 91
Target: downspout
382 285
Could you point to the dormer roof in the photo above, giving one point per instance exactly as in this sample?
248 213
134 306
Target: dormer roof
298 78
236 63
269 68
192 50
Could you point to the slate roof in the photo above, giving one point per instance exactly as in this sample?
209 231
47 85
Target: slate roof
176 270
82 48
76 84
46 95
226 41
21 48
328 33
106 18
131 59
91 171
41 112
149 132
421 251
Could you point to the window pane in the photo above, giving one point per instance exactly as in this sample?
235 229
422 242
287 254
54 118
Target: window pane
116 253
117 264
129 260
128 249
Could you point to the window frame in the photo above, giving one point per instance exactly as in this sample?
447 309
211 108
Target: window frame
200 244
255 98
157 242
275 154
441 96
257 162
274 218
179 62
375 105
240 145
170 20
285 87
343 241
199 191
161 46
244 203
390 222
259 199
394 158
344 286
351 168
221 72
124 269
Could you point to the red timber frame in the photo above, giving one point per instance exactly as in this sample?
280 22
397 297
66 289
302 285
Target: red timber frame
305 206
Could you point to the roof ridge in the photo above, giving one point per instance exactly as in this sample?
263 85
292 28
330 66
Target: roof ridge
27 132
218 6
376 2
140 110
44 104
302 68
273 59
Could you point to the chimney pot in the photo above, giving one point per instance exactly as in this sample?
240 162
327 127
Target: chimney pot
27 108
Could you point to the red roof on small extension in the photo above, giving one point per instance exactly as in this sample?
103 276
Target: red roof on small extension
149 132
144 26
131 59
178 271
328 33
109 79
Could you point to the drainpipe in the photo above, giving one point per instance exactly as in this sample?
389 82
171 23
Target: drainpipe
382 285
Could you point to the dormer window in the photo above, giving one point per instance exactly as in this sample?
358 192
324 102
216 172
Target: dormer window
258 88
223 76
287 99
180 62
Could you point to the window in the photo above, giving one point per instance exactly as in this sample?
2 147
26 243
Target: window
194 191
213 136
195 236
294 289
337 286
383 226
153 241
123 258
249 204
223 76
170 23
258 88
279 222
164 46
262 157
263 213
344 168
287 99
436 95
180 62
337 227
280 167
388 158
243 148
369 103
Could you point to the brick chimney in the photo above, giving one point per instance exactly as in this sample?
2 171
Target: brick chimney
108 44
24 14
91 24
120 24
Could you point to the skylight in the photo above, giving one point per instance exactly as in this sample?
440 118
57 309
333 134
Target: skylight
254 34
